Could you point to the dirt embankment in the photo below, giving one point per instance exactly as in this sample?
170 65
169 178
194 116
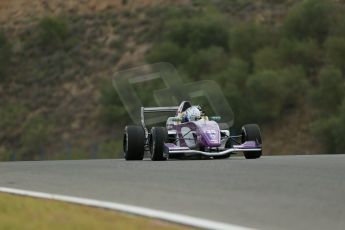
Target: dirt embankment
111 39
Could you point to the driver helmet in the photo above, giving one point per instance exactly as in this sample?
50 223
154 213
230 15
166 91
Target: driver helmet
193 113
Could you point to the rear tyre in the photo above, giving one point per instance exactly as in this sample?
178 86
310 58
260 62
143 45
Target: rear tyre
159 136
251 132
134 142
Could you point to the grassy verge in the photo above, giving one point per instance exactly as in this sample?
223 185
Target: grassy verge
17 212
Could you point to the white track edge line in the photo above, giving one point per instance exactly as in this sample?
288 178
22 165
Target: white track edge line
140 211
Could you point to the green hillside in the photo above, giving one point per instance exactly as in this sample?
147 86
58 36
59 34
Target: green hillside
280 63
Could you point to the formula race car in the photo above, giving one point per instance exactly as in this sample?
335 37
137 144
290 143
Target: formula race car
190 134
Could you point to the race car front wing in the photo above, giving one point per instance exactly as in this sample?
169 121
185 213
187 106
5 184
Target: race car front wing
248 146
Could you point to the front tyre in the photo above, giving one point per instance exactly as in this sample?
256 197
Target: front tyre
251 132
134 142
159 137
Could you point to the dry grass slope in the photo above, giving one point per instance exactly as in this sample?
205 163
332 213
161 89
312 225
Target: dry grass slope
17 212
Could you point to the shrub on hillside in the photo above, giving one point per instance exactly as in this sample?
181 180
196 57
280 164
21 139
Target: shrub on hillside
330 131
267 58
168 52
110 149
205 62
198 32
295 83
113 114
247 38
309 19
5 56
113 110
240 104
338 26
323 130
53 33
330 92
335 52
12 116
266 93
339 131
304 53
5 154
235 74
36 135
233 81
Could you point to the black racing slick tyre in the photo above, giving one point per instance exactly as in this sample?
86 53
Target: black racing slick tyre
251 132
159 136
134 142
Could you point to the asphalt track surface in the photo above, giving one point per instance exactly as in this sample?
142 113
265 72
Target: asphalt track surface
280 192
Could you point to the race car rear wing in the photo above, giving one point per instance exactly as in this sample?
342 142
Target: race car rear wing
154 110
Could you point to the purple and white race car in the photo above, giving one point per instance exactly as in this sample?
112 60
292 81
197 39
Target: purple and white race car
190 134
